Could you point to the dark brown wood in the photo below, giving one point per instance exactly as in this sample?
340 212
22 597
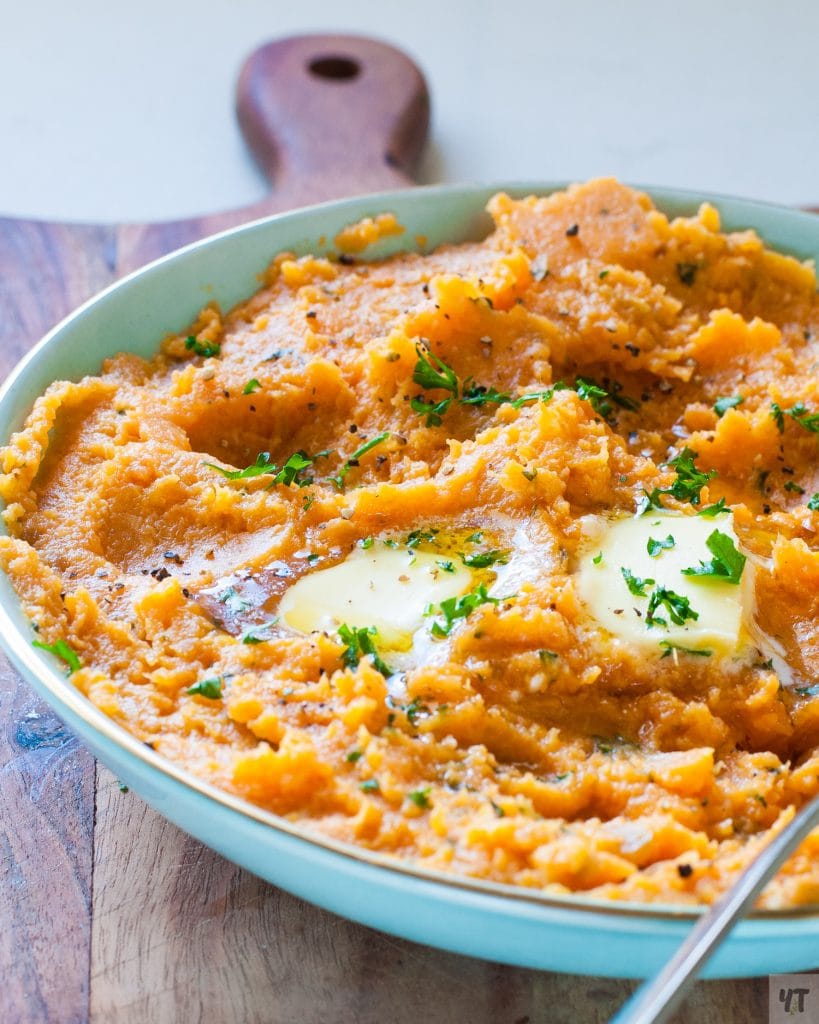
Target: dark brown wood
108 913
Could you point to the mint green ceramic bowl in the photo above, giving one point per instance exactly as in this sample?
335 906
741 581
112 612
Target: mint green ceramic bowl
482 919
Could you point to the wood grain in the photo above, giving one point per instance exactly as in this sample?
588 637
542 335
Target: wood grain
108 913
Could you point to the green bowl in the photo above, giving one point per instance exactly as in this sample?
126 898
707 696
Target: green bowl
497 922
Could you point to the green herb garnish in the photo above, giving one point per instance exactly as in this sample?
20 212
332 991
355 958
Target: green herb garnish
352 462
712 511
655 546
255 634
806 419
210 688
420 797
359 643
778 417
635 584
598 558
813 504
477 394
63 650
206 349
485 559
670 647
251 386
369 785
454 608
791 485
679 607
722 405
727 563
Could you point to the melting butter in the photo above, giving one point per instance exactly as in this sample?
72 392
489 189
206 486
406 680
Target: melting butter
722 607
382 586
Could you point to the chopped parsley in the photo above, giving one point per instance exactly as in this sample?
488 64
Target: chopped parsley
808 691
778 417
670 648
366 542
806 419
655 546
477 394
712 511
209 688
290 472
63 650
445 564
678 607
813 504
352 462
359 643
635 584
420 797
539 396
598 558
791 485
727 563
722 405
353 756
369 785
454 608
687 273
417 537
687 487
600 399
259 634
485 559
206 349
232 600
251 386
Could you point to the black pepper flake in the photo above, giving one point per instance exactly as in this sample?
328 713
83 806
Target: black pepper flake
348 261
186 592
633 349
687 272
573 231
172 556
160 574
685 870
353 428
311 314
425 288
766 510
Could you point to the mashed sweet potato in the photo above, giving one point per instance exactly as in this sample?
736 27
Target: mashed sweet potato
158 512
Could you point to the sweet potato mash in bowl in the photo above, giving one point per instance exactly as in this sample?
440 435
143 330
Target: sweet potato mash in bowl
492 565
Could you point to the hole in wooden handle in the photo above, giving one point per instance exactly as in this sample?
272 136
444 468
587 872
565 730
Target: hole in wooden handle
338 68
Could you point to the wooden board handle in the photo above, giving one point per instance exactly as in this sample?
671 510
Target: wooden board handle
331 115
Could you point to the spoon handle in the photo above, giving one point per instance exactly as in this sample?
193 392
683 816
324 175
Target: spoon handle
655 1000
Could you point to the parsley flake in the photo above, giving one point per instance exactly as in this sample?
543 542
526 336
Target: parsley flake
420 797
251 386
359 643
485 559
455 608
722 405
199 348
679 607
63 650
727 563
655 546
352 462
208 688
635 584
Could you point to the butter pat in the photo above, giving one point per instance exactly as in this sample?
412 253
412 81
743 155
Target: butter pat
385 587
619 544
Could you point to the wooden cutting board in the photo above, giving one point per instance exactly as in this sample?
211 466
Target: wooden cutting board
108 913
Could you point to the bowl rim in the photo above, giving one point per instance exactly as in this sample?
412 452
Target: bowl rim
62 693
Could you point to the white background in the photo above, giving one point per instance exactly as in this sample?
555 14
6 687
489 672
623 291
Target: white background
123 110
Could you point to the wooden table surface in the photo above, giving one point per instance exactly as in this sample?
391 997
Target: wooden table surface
109 914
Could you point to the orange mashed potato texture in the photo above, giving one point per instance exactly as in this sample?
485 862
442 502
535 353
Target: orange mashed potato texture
527 745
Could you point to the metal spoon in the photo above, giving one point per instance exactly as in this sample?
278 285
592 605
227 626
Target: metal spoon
655 1000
